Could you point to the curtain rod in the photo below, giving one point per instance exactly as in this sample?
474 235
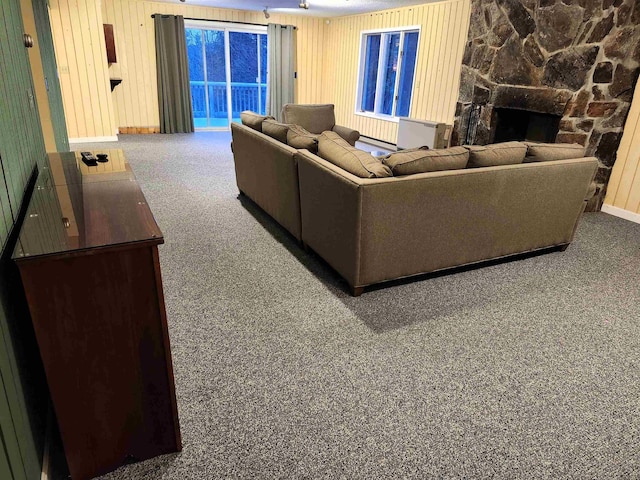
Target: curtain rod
223 21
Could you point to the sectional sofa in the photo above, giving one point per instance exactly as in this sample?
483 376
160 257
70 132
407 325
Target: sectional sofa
413 212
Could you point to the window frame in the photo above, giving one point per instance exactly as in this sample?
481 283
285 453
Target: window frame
380 72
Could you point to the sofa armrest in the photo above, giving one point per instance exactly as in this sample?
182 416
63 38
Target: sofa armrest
267 173
330 208
348 134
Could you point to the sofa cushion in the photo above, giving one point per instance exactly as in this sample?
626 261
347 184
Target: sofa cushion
276 130
333 148
298 137
542 152
316 118
421 161
506 153
253 119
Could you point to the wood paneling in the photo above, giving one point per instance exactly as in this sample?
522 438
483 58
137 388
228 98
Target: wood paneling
21 148
21 141
327 61
50 72
443 32
136 98
82 64
624 186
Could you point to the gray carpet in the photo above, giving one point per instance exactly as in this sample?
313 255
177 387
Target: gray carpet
526 369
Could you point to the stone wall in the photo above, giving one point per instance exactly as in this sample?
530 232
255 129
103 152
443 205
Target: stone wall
575 58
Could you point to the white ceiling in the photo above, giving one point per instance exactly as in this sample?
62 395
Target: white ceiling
317 8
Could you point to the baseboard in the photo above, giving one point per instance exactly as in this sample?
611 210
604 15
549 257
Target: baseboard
138 130
621 212
114 138
378 143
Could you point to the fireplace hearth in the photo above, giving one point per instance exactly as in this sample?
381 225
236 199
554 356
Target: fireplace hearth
550 70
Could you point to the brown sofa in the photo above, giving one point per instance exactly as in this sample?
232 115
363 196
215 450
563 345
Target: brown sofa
372 230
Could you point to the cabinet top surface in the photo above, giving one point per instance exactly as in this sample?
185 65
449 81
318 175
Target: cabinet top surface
67 168
75 208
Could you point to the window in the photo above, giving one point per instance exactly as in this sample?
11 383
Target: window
387 67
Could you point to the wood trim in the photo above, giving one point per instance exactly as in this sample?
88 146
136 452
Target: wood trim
621 213
110 43
138 130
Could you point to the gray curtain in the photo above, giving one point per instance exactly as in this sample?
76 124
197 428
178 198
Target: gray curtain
174 92
282 61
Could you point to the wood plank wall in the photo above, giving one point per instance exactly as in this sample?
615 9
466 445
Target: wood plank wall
136 98
444 27
624 186
21 149
50 70
82 65
327 61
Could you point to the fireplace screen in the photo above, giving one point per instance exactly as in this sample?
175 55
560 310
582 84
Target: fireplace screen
512 124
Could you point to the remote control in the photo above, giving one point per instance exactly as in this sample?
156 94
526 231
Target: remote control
89 159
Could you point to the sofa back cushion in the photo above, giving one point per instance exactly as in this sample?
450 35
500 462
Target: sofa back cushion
253 119
506 153
422 161
543 152
275 130
298 137
315 118
333 148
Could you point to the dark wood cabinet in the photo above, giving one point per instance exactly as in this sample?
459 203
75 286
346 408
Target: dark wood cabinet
110 43
88 258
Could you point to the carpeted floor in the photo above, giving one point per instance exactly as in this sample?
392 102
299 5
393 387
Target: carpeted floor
526 369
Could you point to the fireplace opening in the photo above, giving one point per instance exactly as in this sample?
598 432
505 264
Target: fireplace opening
513 124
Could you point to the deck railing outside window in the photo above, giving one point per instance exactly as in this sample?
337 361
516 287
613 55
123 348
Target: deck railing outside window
244 96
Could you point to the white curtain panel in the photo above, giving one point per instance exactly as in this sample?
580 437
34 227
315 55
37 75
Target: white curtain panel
282 59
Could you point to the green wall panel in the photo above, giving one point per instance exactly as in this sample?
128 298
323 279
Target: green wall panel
6 219
22 403
5 468
22 144
11 448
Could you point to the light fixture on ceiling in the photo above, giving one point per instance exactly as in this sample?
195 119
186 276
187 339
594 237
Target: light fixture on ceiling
266 12
304 4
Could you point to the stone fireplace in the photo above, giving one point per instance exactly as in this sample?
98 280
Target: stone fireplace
550 70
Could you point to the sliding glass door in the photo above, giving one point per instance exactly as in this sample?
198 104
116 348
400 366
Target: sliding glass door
228 72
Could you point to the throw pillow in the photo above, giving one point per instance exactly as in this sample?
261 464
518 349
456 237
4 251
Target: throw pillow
333 148
506 153
421 161
275 130
542 152
298 137
253 119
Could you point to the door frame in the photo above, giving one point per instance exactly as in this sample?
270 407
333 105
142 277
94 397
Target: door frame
227 28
